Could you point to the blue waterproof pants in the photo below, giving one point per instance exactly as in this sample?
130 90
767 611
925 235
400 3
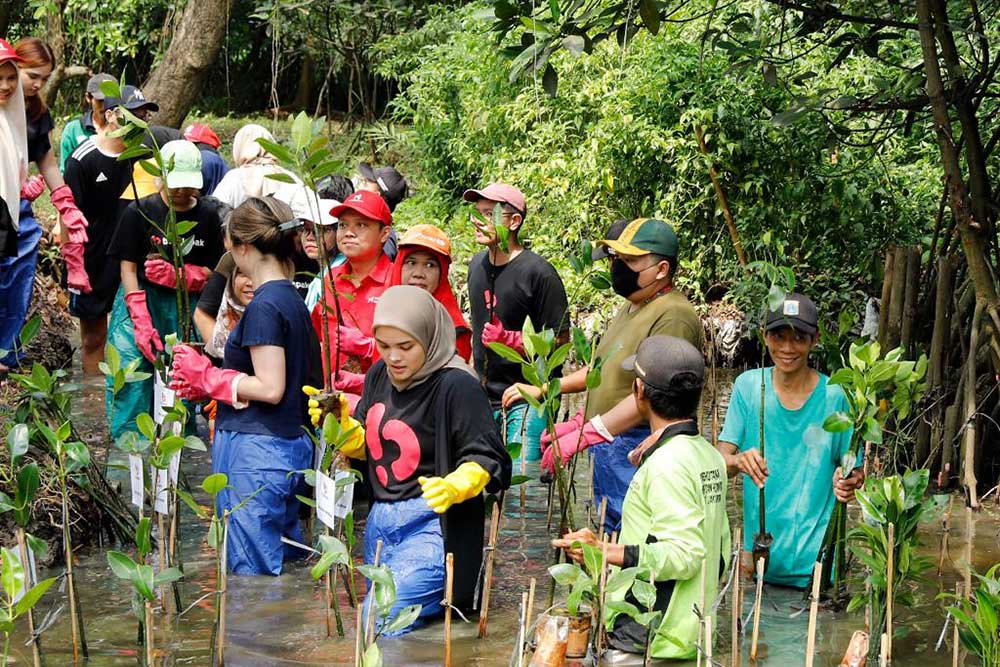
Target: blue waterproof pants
413 549
524 425
17 277
252 461
613 472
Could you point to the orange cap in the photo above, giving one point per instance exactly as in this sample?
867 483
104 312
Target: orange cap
427 236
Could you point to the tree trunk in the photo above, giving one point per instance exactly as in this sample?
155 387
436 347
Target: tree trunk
57 40
304 91
895 322
883 308
910 295
177 81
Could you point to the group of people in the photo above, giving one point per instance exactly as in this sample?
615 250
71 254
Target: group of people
293 289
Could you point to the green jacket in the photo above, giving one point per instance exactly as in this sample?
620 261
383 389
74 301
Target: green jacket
674 523
74 134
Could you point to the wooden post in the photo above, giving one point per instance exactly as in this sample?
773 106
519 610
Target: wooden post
910 298
737 608
813 614
756 610
220 634
147 622
522 629
449 582
883 659
889 576
359 636
484 613
708 640
883 311
531 602
970 537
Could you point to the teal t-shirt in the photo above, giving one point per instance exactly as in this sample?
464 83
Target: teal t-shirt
801 459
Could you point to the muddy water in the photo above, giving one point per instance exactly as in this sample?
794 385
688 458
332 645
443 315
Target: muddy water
280 621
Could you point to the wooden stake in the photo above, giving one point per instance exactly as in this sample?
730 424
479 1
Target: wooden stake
970 537
945 530
220 633
359 635
148 631
370 600
484 613
22 546
813 614
602 516
708 640
737 608
889 572
956 646
601 593
883 659
531 603
76 619
449 581
522 629
756 610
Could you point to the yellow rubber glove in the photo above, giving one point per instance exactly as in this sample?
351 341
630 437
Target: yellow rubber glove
467 482
354 447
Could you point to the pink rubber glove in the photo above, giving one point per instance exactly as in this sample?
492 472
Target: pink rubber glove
33 188
161 272
562 428
355 343
146 336
76 274
72 220
195 378
350 383
573 442
494 332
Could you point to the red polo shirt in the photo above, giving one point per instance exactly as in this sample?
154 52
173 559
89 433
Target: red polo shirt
357 308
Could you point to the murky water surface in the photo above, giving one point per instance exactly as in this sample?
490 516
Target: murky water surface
280 621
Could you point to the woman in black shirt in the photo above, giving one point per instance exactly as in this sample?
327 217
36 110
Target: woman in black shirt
432 448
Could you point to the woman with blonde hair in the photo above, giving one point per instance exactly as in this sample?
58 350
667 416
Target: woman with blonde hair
252 166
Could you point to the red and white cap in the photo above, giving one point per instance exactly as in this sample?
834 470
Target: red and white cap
500 192
7 52
368 204
200 133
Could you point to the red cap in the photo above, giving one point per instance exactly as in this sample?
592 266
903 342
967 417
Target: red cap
7 52
200 133
500 192
366 203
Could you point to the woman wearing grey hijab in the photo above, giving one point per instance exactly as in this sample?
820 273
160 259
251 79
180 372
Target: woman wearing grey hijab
432 448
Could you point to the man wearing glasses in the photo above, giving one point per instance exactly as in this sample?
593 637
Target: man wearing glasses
506 287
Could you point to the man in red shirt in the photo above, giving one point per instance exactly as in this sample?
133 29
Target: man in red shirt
363 227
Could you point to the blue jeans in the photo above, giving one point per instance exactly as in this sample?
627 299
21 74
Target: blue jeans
413 550
17 277
613 472
524 425
266 463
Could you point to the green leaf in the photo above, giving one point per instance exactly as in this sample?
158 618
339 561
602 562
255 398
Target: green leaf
372 656
301 131
30 330
12 574
838 422
645 593
505 352
566 574
122 566
33 595
146 426
143 532
215 483
574 43
649 11
403 619
277 150
17 442
142 580
168 576
194 443
517 480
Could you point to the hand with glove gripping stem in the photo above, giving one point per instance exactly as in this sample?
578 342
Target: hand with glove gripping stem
320 404
493 332
196 379
572 439
146 336
468 481
161 272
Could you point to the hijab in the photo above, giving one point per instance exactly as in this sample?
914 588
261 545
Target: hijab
13 148
230 309
417 313
444 293
253 162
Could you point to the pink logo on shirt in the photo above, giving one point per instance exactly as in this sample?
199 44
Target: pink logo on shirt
377 434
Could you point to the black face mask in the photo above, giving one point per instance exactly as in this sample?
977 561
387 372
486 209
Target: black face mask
624 281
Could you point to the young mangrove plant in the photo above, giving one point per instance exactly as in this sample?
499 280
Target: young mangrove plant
877 389
893 509
976 617
378 605
19 598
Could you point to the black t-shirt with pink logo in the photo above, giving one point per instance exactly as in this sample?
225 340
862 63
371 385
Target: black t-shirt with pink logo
427 430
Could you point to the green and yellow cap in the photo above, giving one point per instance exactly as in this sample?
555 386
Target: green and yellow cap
643 236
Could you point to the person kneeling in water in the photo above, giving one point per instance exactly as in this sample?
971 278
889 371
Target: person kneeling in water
432 449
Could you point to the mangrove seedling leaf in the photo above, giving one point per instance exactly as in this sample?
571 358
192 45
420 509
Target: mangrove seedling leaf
592 559
514 450
508 353
215 533
404 619
33 595
122 566
503 234
30 330
214 483
517 480
28 480
644 592
38 546
146 425
600 280
143 540
838 422
194 443
168 576
614 608
566 574
647 619
372 656
17 442
142 580
620 580
6 504
12 575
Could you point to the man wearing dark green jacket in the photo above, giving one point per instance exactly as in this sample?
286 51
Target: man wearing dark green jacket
674 521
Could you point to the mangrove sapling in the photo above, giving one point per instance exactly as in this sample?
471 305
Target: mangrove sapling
896 501
118 377
19 598
975 616
382 593
876 389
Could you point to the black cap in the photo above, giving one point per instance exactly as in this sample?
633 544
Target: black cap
131 98
660 359
94 85
796 311
391 184
614 231
160 134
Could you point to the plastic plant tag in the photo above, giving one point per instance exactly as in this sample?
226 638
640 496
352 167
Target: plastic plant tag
30 573
162 484
345 499
135 477
326 499
163 397
174 469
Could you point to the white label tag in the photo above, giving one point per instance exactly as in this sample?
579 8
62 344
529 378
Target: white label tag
174 469
30 573
791 308
345 499
135 477
162 484
163 398
326 499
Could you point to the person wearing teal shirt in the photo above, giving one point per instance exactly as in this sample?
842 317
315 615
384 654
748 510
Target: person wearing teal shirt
78 129
801 474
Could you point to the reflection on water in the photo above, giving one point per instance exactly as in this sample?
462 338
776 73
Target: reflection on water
280 621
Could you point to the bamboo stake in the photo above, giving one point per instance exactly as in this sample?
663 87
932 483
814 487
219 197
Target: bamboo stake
813 613
148 631
945 530
970 536
531 603
601 594
737 608
889 573
883 659
602 516
484 613
449 580
756 610
370 600
328 596
220 635
76 622
955 642
708 640
22 545
522 628
358 635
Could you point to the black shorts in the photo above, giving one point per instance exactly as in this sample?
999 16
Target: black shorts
104 281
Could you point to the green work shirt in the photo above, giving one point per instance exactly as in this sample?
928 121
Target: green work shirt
73 135
675 515
801 459
667 315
